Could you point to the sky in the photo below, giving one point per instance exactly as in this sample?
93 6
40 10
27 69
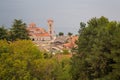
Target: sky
67 14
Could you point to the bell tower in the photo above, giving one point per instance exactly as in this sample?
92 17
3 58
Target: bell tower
50 28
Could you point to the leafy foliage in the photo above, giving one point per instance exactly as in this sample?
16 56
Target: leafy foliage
61 34
70 34
98 53
16 59
22 60
3 33
18 30
65 51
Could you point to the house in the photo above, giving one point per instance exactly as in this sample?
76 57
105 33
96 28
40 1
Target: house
38 33
71 42
61 40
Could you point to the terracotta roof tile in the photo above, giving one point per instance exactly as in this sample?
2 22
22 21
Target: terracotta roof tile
42 35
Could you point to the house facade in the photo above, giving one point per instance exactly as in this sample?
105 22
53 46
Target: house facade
71 42
38 33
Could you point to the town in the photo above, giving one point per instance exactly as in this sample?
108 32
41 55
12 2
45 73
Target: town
59 40
48 41
30 52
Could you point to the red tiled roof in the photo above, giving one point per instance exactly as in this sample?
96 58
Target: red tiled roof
71 43
37 31
42 35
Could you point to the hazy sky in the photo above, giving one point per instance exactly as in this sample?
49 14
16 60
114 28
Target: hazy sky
67 14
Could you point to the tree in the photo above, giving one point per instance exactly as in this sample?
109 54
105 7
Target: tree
70 34
94 58
18 30
22 60
16 59
61 34
3 33
65 52
82 26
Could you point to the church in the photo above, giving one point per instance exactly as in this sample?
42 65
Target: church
40 34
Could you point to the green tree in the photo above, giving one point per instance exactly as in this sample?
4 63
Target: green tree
3 33
94 58
62 67
70 34
16 59
18 30
65 51
22 60
61 34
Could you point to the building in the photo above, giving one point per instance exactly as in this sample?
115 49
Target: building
61 40
51 29
38 33
71 42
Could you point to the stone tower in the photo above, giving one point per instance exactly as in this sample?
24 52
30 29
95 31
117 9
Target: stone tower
50 29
